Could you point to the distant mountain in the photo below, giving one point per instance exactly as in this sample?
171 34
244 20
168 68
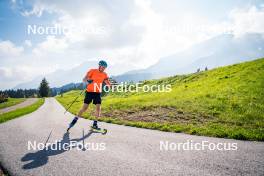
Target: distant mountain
74 75
71 86
60 77
219 51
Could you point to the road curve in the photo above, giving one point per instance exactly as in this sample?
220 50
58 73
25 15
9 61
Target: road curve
123 151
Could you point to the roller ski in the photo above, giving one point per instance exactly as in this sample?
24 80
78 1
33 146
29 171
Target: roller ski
95 128
99 130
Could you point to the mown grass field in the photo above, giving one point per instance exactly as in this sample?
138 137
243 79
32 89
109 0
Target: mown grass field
21 111
225 102
11 102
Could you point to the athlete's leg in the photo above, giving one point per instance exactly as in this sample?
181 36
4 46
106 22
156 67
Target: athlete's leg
82 110
98 111
97 115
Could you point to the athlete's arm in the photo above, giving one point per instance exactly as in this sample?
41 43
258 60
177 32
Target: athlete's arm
107 82
87 77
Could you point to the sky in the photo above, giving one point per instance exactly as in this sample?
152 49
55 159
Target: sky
38 37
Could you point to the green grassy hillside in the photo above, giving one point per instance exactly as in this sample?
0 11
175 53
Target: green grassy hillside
223 102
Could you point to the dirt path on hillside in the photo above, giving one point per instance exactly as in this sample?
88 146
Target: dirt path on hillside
25 103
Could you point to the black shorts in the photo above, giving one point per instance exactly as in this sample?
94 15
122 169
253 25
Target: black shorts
92 96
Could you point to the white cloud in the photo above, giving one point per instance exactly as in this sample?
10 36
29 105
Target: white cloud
37 10
248 20
7 48
11 76
28 43
51 45
133 27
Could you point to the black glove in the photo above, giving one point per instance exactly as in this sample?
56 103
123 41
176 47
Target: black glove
89 81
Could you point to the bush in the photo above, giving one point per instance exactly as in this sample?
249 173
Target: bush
3 98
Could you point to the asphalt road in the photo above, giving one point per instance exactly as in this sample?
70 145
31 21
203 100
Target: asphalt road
122 151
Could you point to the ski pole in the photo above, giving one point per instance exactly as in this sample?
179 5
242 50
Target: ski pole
74 101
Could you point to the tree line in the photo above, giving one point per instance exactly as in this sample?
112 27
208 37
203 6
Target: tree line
44 90
20 93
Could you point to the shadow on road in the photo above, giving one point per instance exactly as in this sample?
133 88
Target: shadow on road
41 157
